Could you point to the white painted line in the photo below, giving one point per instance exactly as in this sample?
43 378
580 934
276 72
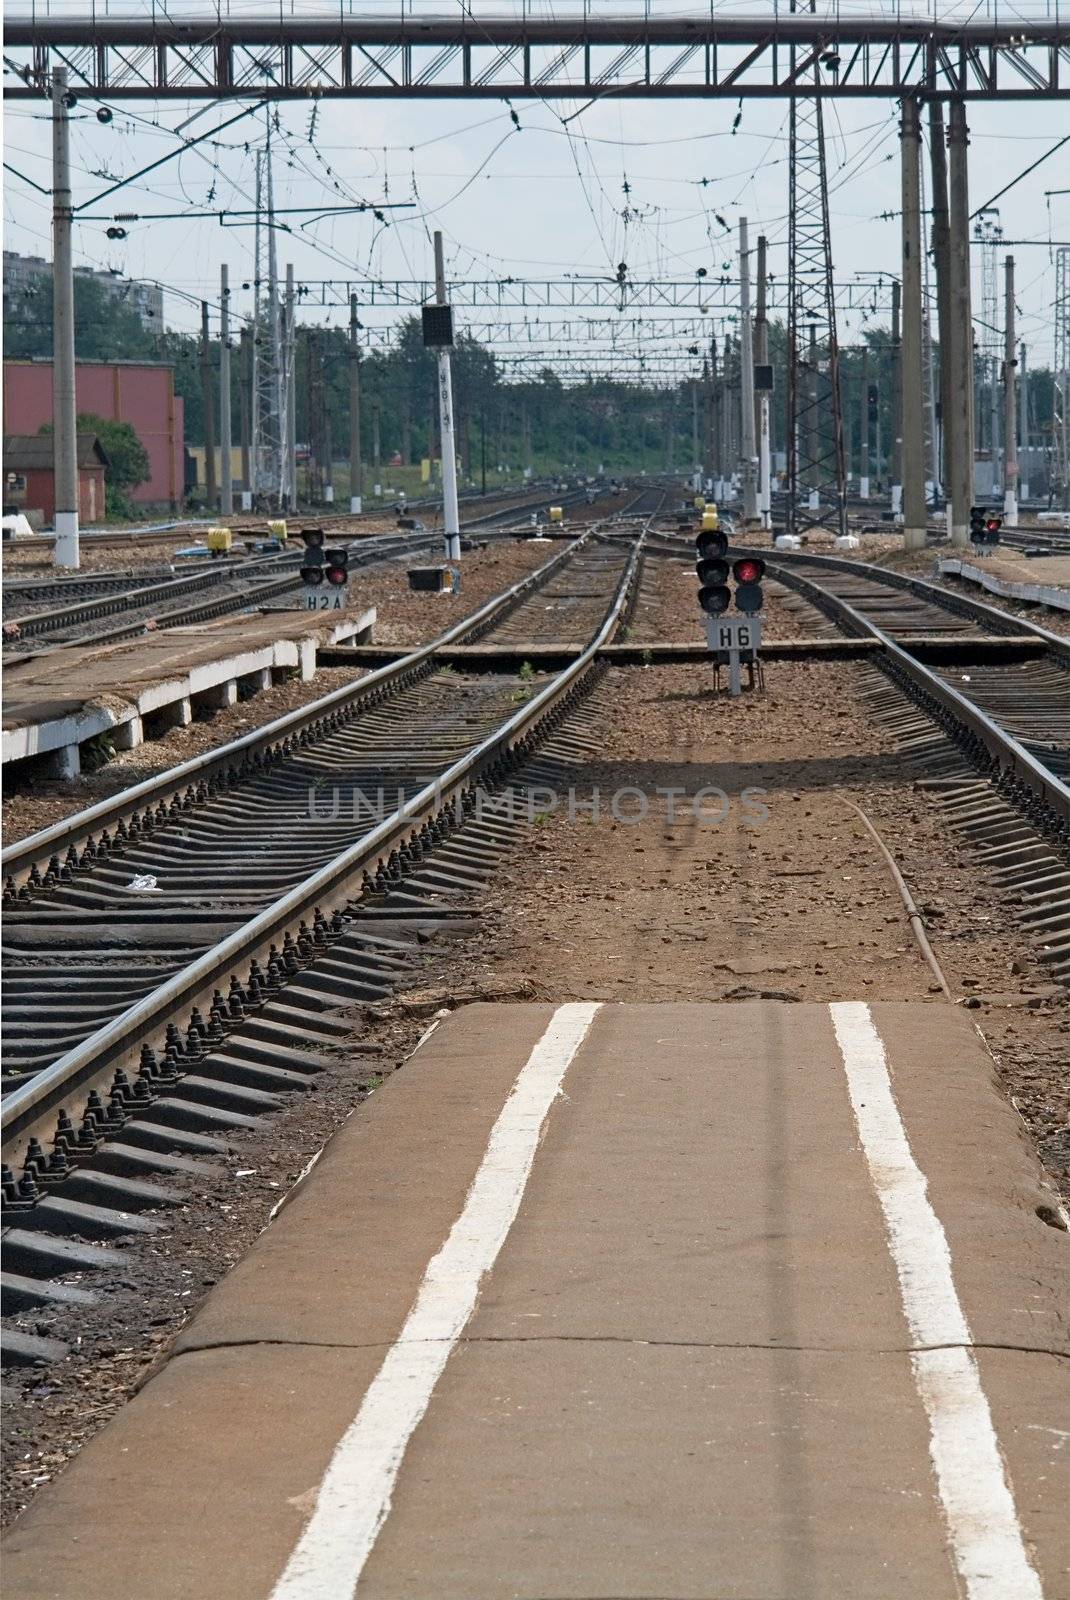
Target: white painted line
354 1497
986 1536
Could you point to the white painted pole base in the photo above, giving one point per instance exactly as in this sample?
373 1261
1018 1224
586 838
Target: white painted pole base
897 501
1024 494
1010 509
863 488
247 499
814 501
356 502
65 551
328 493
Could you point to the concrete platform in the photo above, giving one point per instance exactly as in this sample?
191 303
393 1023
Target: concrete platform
1044 580
725 1302
56 701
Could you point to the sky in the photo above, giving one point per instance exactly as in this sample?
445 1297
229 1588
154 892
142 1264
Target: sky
660 186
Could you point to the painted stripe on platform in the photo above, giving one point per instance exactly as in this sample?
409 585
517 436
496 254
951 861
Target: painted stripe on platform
354 1497
986 1536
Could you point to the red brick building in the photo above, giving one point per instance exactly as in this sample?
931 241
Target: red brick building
29 479
139 392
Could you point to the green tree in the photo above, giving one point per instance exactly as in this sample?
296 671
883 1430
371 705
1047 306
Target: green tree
128 460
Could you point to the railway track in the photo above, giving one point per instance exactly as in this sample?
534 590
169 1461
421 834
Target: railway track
223 835
1016 713
231 586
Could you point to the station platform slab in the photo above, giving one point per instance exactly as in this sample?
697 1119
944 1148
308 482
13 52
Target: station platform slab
1012 575
57 700
703 1302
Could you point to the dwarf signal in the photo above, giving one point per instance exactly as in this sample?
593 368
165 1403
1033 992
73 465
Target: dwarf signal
985 526
324 573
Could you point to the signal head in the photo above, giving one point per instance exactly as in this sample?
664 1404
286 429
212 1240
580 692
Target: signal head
748 573
311 575
336 566
312 538
715 598
714 571
712 543
748 569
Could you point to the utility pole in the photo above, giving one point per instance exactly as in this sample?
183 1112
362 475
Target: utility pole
1010 406
209 409
863 429
289 440
1023 424
245 386
696 460
748 448
65 550
451 523
761 356
912 389
958 424
896 463
942 258
356 465
226 476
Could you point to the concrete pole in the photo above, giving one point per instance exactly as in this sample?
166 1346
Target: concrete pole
356 464
813 471
863 429
245 385
226 476
958 423
942 261
761 332
1023 423
896 463
912 387
696 459
65 550
451 517
207 399
1010 406
748 448
289 441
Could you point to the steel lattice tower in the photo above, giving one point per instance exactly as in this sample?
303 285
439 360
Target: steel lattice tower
989 233
269 375
1061 372
816 465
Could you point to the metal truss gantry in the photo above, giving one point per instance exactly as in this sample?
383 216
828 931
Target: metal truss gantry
869 293
418 55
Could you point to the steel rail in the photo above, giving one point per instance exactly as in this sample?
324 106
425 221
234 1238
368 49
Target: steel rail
323 890
979 611
1007 751
68 616
35 850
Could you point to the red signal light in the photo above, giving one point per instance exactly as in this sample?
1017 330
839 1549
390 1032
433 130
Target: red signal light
337 575
993 524
748 569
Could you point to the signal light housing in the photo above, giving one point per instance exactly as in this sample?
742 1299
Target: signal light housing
748 573
336 566
711 544
985 526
